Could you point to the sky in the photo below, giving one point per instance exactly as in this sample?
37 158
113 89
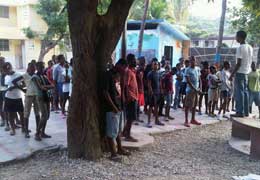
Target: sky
202 8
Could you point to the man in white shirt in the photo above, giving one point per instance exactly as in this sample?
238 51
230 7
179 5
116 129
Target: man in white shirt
244 56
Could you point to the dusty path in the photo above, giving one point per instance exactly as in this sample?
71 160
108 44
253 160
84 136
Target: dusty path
200 153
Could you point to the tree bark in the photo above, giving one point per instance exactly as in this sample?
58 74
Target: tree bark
46 46
124 43
141 35
93 38
221 25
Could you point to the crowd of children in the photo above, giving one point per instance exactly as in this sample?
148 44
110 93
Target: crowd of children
132 83
45 89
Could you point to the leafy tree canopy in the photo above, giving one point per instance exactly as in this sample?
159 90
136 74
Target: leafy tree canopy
247 18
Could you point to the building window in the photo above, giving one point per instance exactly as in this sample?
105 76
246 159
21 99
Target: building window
4 45
4 12
206 43
195 43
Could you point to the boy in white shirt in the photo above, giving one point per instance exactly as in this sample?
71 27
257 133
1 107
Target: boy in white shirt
244 56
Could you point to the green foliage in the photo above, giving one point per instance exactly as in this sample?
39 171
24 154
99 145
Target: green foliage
158 9
30 33
54 13
247 19
103 6
200 27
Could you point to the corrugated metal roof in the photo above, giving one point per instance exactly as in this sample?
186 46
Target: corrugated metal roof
163 24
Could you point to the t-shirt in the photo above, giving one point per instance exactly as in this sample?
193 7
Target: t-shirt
57 74
212 78
132 87
66 85
183 71
114 90
43 81
194 76
253 81
178 74
140 79
154 77
167 81
30 85
225 82
15 93
244 52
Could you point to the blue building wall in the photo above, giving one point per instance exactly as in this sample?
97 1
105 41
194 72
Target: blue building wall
168 40
150 43
153 44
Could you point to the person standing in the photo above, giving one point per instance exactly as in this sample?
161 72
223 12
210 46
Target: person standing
254 87
43 85
213 82
140 83
204 86
30 97
131 97
154 92
13 98
244 56
167 87
184 81
225 92
65 88
179 77
192 76
114 113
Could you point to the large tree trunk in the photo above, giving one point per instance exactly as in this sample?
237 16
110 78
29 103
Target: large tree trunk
221 25
141 34
124 42
93 39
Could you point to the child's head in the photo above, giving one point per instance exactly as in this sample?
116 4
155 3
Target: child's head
241 36
192 61
212 69
131 60
50 63
31 68
167 68
205 65
7 68
178 66
155 65
187 63
40 67
226 65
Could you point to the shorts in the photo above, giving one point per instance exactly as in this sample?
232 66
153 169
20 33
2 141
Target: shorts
114 124
225 94
191 99
212 95
131 111
154 100
65 95
168 99
254 97
183 88
13 105
141 99
28 102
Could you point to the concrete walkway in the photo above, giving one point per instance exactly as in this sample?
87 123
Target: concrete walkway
16 147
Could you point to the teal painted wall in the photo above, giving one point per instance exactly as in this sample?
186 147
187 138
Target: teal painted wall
153 44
